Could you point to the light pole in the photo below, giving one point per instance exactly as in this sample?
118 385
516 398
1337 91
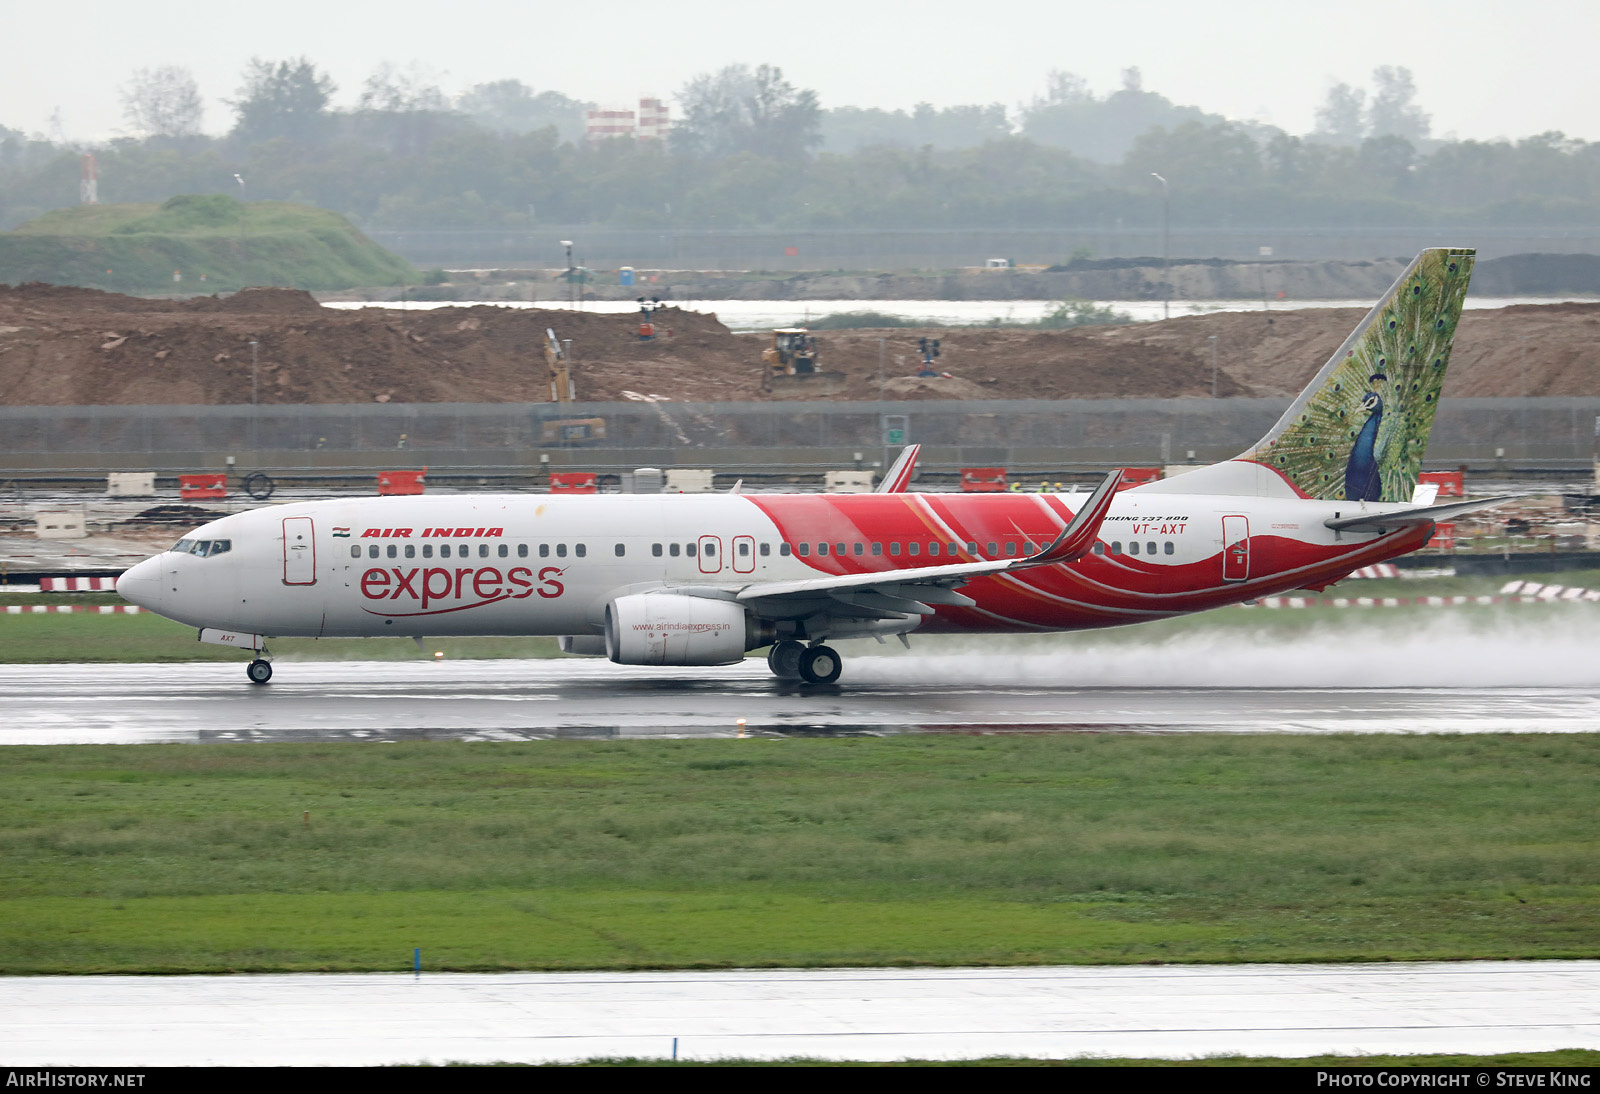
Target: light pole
1166 247
1523 339
240 180
572 275
255 410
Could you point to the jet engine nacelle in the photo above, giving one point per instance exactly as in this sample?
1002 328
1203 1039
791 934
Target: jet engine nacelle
669 629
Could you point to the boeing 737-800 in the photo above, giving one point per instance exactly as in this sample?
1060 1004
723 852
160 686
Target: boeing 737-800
703 579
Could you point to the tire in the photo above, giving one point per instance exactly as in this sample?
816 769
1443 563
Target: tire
784 659
820 665
259 671
258 485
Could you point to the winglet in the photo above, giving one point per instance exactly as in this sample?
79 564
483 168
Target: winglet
1078 537
898 477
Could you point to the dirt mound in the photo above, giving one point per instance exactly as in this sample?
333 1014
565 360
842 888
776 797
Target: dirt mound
79 346
38 294
257 302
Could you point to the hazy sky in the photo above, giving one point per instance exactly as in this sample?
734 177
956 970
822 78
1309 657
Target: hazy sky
1483 69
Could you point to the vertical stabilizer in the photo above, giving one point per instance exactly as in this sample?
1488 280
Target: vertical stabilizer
1359 429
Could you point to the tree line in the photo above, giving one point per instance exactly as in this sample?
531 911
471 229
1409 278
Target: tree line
748 149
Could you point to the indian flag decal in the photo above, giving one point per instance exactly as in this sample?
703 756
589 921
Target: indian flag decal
341 533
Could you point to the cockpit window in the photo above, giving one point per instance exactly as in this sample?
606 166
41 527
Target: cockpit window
205 548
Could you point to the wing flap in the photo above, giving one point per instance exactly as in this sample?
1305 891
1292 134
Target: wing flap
932 584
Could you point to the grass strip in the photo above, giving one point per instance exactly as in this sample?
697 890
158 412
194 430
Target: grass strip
714 853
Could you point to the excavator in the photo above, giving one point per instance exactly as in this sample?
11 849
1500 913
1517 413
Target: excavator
563 390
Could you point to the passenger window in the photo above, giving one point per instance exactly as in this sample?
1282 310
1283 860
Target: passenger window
483 550
621 549
805 550
690 549
933 548
673 549
913 547
427 550
580 549
709 550
464 550
561 550
411 550
894 548
972 548
822 548
1116 547
655 549
954 550
393 552
444 550
994 549
1011 548
372 551
857 548
522 550
1099 548
503 551
1150 548
1133 546
544 550
1170 546
766 550
783 550
355 550
744 549
877 548
838 548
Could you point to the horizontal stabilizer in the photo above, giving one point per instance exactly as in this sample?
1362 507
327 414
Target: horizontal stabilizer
1402 518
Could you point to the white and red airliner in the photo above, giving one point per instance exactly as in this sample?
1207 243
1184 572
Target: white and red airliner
703 579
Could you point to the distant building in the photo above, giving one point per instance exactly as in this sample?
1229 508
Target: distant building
648 123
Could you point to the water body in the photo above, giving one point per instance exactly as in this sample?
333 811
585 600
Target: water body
765 314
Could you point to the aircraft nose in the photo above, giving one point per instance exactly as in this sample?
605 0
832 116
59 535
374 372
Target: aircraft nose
141 584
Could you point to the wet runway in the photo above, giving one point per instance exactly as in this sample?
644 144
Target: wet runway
862 1014
572 698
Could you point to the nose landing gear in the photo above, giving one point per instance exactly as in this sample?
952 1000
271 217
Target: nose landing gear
259 671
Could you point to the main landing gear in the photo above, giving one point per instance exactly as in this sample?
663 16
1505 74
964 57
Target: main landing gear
789 660
259 671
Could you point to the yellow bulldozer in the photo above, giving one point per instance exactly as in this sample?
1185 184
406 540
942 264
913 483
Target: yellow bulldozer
790 366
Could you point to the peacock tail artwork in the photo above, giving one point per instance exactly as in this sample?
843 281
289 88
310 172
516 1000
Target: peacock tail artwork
1359 435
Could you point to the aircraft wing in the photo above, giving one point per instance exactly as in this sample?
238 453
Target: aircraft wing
898 477
1401 518
911 590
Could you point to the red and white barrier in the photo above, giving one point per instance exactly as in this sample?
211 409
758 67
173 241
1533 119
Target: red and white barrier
1382 569
77 584
99 609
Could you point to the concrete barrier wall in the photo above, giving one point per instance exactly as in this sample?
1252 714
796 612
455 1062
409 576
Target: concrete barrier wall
753 436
